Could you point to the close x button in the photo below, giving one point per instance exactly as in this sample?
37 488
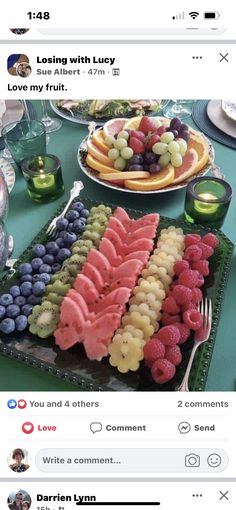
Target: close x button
224 57
224 495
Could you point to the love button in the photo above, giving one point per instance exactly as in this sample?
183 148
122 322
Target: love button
27 427
47 428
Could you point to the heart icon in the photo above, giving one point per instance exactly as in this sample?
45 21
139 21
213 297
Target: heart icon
27 427
22 404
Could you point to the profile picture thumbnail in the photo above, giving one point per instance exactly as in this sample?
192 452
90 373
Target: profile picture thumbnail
18 460
19 500
18 65
19 31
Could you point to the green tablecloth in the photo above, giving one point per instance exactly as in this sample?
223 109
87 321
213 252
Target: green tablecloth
26 218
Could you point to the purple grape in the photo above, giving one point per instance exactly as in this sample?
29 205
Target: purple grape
135 168
150 158
184 135
36 263
175 123
184 127
174 131
62 224
137 159
146 167
154 168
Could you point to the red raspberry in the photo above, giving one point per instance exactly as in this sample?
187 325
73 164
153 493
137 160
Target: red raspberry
162 371
202 266
193 253
153 350
182 294
207 251
196 295
169 319
184 332
170 306
173 354
180 266
193 319
189 278
191 239
201 280
211 240
188 306
168 335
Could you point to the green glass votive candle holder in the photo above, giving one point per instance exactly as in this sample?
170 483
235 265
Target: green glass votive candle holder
207 201
43 177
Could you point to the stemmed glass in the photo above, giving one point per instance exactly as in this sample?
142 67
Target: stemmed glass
6 153
51 123
177 110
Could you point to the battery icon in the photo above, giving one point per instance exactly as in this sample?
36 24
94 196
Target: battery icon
211 15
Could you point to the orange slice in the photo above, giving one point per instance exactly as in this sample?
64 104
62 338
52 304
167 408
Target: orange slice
200 145
133 123
113 126
124 175
98 154
98 166
188 168
98 140
156 181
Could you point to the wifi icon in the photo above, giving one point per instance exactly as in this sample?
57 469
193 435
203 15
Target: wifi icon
194 14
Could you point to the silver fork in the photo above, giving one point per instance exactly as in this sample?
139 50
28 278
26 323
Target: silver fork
74 192
201 336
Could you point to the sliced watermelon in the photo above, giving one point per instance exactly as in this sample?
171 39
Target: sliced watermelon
66 337
129 268
117 226
86 288
77 298
122 215
116 297
98 260
125 281
71 314
99 334
141 244
115 240
138 255
109 309
107 248
94 275
147 232
145 221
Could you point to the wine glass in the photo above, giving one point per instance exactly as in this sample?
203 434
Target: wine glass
51 123
177 110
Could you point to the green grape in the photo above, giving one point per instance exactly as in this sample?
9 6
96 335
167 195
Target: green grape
127 153
109 141
113 154
120 164
173 147
94 236
123 134
167 137
176 159
101 207
84 249
108 211
164 159
88 244
93 210
80 242
120 143
160 148
183 146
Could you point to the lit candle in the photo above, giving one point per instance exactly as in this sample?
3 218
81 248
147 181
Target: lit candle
206 207
43 177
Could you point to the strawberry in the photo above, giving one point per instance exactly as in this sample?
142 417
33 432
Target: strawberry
137 134
154 139
137 146
146 125
161 130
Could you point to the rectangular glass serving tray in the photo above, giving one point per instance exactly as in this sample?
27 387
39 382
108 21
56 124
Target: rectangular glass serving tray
73 366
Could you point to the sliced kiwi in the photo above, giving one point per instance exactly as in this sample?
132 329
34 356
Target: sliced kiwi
58 287
44 319
54 298
63 276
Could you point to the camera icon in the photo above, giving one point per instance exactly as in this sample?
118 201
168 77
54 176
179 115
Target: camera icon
192 460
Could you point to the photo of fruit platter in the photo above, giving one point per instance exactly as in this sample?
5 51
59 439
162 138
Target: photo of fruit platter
111 302
145 154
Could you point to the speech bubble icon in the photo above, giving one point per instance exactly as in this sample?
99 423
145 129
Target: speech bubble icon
95 426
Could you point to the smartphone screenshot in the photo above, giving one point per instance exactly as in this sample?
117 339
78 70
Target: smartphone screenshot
118 273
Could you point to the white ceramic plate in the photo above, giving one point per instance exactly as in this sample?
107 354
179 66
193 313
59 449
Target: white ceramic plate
13 113
217 116
8 172
229 107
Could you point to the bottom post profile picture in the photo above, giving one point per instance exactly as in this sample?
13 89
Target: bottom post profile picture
19 500
23 69
18 460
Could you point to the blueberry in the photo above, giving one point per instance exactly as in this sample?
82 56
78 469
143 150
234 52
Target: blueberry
62 233
70 227
44 277
25 268
70 238
36 263
62 224
38 288
21 322
2 311
84 213
48 259
52 248
33 300
78 226
7 326
72 215
12 311
20 300
27 309
26 288
6 299
56 267
83 220
63 254
26 278
15 291
78 206
60 242
39 250
45 268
